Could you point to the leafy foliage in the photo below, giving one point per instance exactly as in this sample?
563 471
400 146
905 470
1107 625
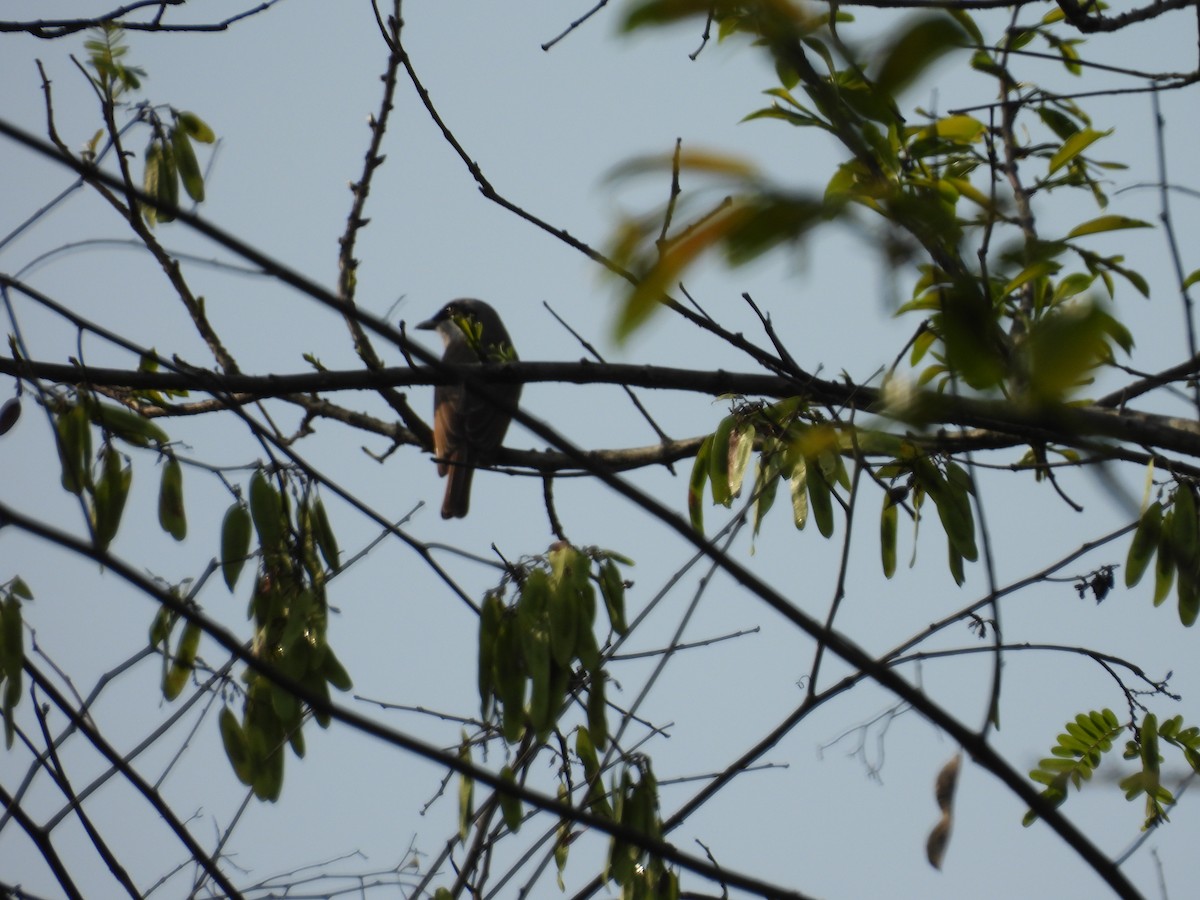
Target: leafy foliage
1076 756
534 643
1022 321
1172 537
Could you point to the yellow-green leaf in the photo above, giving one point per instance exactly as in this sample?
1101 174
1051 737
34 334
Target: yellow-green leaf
798 484
1106 223
186 164
819 498
695 496
718 462
176 676
741 445
326 539
196 128
887 537
1073 146
612 586
466 794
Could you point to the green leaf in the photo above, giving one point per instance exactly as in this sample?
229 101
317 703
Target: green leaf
335 672
74 442
466 794
612 586
13 638
1164 564
111 492
172 515
887 537
129 426
741 447
235 542
718 462
1106 223
1073 146
176 676
1183 539
564 621
234 740
766 483
696 484
597 711
160 180
326 540
510 806
510 678
819 497
1191 279
1060 123
196 128
924 42
266 509
186 164
798 485
1145 543
955 562
490 616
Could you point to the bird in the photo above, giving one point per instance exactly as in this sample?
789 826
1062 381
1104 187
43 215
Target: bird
467 428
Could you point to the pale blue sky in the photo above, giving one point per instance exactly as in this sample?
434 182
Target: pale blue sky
289 92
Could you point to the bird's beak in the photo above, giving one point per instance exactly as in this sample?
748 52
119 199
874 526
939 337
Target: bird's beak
428 325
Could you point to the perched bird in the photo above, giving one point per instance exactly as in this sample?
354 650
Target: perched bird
467 429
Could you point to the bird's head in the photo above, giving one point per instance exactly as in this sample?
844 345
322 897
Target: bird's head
474 323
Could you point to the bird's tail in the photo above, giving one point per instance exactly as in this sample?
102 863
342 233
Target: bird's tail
458 491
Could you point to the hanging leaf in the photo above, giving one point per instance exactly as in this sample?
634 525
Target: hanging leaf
887 537
182 663
74 442
718 462
466 793
234 740
171 513
695 496
326 540
266 509
235 542
510 806
612 586
110 495
1145 543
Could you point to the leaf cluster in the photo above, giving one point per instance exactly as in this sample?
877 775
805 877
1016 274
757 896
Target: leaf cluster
1170 537
542 646
1080 749
289 612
